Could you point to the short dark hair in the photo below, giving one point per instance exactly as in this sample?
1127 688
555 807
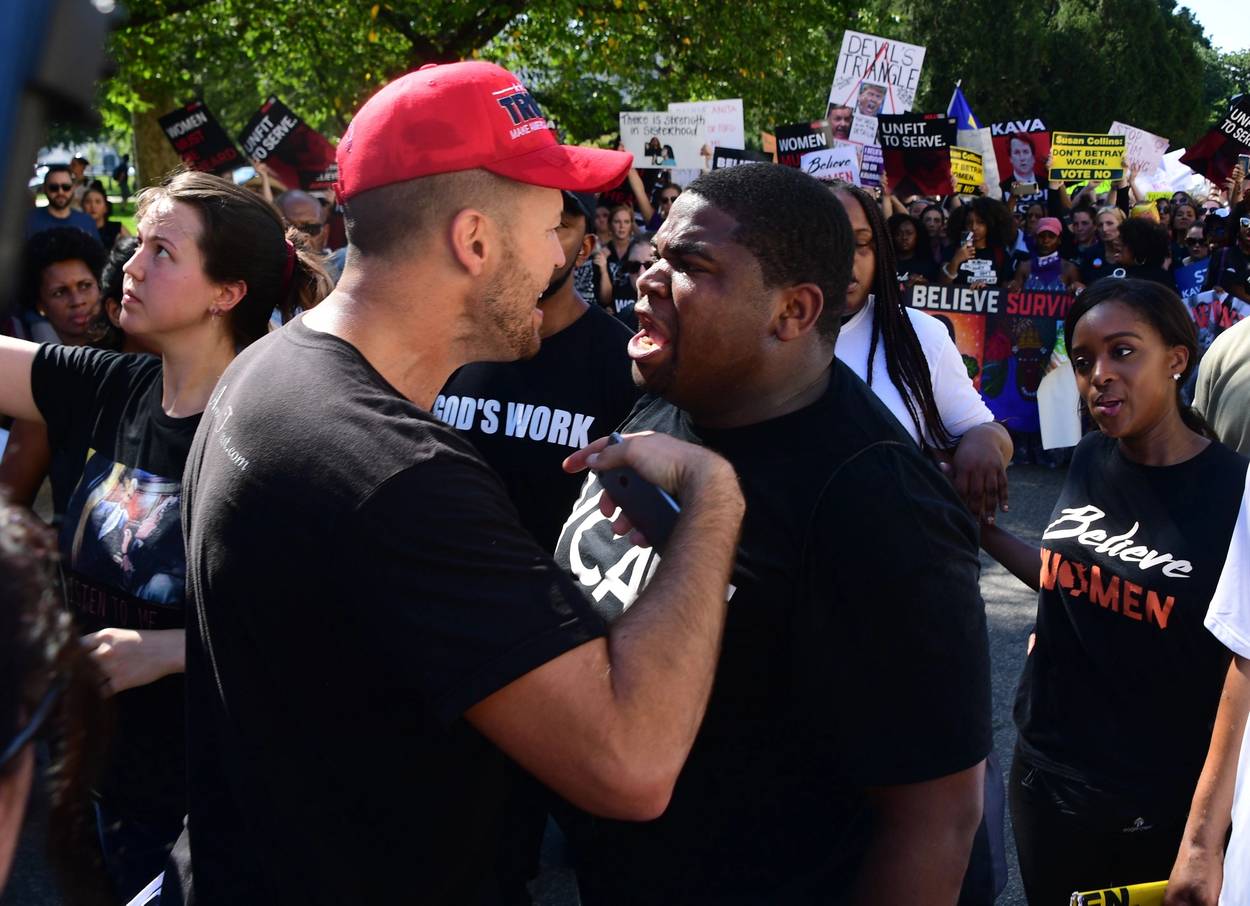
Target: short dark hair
50 247
387 220
55 168
897 220
1159 307
1148 242
111 276
793 225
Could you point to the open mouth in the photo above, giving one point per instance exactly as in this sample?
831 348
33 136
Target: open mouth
1106 406
650 340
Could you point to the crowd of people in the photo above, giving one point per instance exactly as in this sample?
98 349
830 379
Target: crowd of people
346 593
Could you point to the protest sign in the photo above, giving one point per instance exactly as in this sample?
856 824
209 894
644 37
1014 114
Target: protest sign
967 170
733 157
722 121
863 129
199 139
768 144
916 147
1081 156
871 164
838 163
876 75
296 154
796 139
662 139
982 142
1005 339
1020 149
1190 277
1215 154
1143 150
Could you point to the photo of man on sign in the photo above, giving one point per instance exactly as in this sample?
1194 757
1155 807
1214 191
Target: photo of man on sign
871 97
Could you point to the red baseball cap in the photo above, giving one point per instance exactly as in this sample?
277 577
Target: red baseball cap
1049 225
464 116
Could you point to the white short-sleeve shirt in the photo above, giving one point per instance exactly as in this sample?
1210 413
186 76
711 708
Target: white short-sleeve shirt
958 402
1228 618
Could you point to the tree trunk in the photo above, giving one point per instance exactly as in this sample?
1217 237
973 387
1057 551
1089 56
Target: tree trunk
154 155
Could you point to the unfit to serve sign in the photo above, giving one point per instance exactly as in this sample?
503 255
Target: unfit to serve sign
1082 156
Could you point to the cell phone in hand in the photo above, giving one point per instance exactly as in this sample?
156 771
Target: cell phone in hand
968 238
1024 188
651 509
1244 160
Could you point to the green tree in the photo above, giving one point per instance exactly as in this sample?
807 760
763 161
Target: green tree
1079 64
585 61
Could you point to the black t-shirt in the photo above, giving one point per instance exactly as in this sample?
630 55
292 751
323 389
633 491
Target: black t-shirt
526 417
121 544
1093 262
916 266
624 298
1121 689
1151 272
357 578
994 266
854 655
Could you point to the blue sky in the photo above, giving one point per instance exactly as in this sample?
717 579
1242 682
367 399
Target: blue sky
1226 22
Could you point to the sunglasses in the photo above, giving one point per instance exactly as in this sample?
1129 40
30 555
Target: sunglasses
309 229
630 266
59 187
1196 242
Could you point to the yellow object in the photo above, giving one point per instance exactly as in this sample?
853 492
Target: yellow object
967 169
1132 895
1082 155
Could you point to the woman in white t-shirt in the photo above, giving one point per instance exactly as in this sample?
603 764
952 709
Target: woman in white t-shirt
1222 796
910 361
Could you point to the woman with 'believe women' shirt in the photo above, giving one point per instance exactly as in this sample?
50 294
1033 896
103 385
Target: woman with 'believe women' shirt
1120 687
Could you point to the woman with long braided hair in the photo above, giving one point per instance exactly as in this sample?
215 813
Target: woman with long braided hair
910 361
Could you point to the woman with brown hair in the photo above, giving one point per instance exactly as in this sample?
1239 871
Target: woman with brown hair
213 262
47 690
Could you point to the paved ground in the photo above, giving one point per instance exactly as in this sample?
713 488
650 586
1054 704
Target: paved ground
1010 608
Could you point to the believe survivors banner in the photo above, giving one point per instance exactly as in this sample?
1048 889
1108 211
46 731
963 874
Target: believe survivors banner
199 139
297 155
916 151
1005 339
876 75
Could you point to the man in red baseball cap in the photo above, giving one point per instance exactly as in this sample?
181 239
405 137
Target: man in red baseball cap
370 625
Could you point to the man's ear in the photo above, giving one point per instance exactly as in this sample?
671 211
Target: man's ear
470 236
583 253
798 311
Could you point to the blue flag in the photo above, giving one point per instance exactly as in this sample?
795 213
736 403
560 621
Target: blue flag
959 109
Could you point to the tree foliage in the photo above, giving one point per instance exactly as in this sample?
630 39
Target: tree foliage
1078 63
